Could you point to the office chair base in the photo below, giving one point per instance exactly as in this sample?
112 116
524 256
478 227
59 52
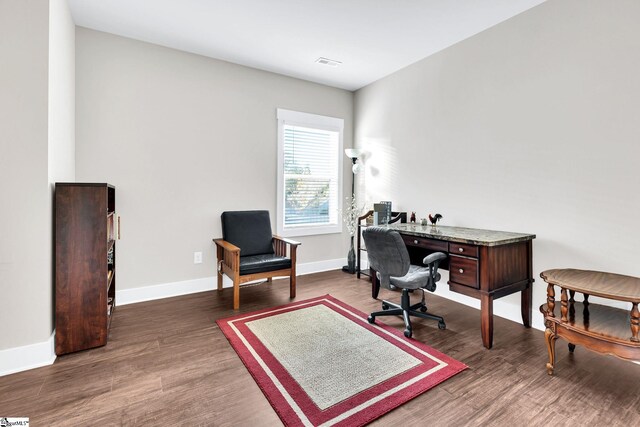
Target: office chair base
416 310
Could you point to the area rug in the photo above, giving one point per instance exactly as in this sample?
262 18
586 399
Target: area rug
320 363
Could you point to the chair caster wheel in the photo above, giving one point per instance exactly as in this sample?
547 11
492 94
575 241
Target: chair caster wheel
371 319
442 325
423 309
407 333
385 307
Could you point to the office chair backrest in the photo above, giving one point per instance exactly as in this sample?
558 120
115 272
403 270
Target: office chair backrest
387 253
248 230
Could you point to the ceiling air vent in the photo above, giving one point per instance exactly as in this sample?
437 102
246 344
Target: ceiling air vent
327 61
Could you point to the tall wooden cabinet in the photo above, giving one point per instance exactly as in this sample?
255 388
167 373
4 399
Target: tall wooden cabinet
85 264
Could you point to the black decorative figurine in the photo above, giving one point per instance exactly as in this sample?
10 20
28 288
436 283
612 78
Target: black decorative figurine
434 219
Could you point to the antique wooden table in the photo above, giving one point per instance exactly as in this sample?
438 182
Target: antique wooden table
600 328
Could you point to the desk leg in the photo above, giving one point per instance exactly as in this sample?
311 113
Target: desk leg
525 305
486 319
375 284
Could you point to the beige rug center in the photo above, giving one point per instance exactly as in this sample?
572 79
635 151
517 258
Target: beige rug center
330 356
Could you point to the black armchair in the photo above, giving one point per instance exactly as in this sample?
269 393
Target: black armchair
249 251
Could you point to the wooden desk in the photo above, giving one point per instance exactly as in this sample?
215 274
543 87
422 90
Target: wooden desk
600 328
482 264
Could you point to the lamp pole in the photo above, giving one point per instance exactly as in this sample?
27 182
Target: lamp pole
353 177
353 154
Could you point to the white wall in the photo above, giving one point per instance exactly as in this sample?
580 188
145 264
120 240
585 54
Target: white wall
184 138
36 120
25 242
37 124
62 93
531 126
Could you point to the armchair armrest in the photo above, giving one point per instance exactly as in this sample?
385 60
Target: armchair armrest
287 241
228 257
280 246
226 245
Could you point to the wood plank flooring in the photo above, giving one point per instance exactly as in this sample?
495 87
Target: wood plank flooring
167 363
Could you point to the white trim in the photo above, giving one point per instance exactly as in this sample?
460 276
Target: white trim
319 266
32 356
313 121
163 290
27 357
185 287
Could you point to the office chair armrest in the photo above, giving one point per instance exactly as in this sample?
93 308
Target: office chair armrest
437 256
433 261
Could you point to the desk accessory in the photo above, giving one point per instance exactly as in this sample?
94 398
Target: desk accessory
434 219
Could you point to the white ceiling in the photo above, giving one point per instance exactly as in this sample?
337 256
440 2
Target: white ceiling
372 38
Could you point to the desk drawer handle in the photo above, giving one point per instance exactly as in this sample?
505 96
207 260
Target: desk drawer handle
415 242
461 271
460 250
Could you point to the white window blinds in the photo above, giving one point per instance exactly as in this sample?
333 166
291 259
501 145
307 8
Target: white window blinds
310 180
310 176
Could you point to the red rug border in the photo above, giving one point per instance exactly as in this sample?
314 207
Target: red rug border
311 410
280 404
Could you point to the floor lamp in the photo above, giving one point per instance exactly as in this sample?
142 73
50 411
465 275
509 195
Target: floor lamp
353 154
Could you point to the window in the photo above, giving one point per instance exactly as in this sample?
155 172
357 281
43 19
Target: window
309 178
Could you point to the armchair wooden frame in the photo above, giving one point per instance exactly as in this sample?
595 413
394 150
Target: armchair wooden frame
228 256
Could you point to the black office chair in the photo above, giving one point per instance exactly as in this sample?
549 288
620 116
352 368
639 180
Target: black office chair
389 257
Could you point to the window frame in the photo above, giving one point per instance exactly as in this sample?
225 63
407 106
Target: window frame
314 121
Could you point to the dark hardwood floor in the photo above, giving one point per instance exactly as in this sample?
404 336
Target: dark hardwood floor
167 363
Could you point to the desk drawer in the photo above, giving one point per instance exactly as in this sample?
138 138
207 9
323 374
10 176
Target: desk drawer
463 270
462 249
421 242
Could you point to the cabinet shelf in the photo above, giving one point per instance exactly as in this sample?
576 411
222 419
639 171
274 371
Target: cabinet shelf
110 276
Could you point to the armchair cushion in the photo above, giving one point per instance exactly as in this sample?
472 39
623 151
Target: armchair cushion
260 263
248 230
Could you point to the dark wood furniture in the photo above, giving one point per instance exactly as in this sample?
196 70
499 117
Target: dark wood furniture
85 264
599 328
482 264
362 223
242 263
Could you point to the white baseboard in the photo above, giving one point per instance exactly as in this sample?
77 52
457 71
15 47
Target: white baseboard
504 307
319 266
41 354
185 287
164 290
27 357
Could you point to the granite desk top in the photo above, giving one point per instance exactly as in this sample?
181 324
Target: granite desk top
472 236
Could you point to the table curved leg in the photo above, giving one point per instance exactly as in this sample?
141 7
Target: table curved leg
550 338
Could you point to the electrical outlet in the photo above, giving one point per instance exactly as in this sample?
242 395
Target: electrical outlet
197 257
